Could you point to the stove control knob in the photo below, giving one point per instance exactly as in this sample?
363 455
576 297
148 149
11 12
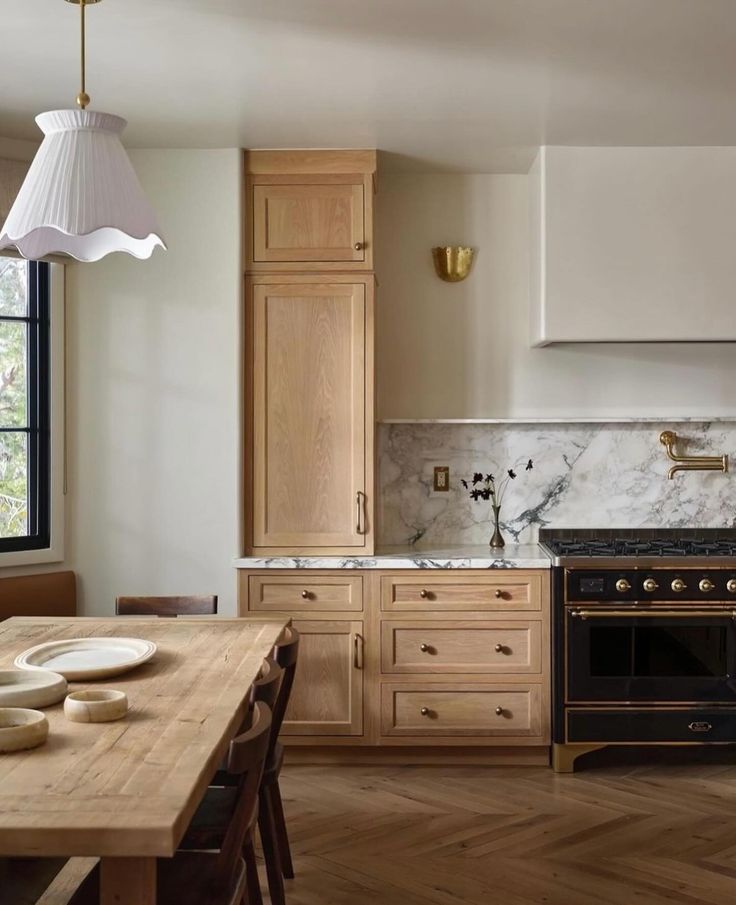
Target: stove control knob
731 585
706 585
678 585
622 586
650 585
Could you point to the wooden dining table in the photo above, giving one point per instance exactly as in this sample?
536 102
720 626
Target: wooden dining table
125 791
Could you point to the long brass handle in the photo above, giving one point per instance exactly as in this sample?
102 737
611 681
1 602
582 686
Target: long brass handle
360 521
653 614
358 651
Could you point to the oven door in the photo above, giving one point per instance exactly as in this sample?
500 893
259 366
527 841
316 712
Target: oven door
677 654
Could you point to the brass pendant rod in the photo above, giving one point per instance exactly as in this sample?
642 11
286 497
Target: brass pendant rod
83 98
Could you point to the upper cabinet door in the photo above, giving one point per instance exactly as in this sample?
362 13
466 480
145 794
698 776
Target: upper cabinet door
312 412
313 222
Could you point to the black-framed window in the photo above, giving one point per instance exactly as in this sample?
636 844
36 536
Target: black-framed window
25 418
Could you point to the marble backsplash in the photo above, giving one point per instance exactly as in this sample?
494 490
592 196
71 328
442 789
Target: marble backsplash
585 476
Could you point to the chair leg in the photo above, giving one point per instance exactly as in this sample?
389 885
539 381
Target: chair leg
251 874
287 868
269 840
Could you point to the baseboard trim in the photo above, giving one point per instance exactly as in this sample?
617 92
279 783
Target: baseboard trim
517 757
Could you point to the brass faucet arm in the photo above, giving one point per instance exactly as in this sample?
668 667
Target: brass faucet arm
690 463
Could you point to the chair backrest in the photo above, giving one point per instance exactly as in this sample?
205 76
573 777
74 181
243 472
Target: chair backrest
246 759
286 654
203 605
266 687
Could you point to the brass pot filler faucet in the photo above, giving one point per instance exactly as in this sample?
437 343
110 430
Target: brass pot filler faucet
690 463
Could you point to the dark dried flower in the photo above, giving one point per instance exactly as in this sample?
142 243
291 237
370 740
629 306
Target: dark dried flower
529 465
477 478
489 477
464 483
475 494
512 473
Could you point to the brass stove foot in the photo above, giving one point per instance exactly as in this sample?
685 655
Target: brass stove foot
564 756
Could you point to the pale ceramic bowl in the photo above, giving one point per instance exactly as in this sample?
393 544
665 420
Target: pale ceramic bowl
102 706
21 729
23 688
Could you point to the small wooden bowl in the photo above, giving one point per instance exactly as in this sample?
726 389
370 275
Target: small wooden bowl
102 706
21 729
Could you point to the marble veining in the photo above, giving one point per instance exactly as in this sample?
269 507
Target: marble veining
513 556
585 475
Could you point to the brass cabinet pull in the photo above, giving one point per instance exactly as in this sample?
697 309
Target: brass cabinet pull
359 508
424 711
499 648
358 651
424 594
358 246
499 711
424 648
498 593
306 595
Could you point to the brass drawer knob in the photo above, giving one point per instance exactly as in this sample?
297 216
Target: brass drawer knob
424 648
424 594
498 593
424 711
358 246
306 595
499 648
499 711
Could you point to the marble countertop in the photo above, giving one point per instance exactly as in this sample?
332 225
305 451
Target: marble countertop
513 556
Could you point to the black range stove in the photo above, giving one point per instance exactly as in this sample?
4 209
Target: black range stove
644 638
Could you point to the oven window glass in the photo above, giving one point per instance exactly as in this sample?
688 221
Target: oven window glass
658 650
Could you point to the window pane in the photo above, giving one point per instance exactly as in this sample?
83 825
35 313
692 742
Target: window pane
13 354
13 287
13 485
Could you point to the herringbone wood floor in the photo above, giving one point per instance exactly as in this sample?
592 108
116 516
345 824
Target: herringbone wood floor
656 832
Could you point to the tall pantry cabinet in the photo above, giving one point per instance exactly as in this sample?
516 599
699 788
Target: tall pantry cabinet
309 382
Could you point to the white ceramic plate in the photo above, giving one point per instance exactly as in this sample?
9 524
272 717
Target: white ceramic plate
88 658
21 688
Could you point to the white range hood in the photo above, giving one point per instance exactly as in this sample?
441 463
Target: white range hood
633 245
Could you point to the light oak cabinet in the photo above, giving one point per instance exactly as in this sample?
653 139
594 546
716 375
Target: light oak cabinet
469 671
309 210
309 333
311 424
327 698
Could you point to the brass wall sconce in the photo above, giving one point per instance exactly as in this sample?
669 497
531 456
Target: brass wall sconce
452 262
690 463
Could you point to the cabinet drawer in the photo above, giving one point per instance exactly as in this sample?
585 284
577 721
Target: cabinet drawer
458 710
482 647
506 592
297 593
308 220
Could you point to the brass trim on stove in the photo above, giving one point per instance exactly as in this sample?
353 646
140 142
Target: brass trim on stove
651 613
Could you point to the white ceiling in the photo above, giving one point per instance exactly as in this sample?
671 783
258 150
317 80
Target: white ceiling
470 85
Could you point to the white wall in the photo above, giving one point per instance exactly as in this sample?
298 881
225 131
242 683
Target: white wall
462 350
154 395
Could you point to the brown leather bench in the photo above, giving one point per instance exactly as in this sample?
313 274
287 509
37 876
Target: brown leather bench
45 594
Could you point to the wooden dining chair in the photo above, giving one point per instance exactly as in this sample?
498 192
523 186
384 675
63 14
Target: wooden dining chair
228 875
207 825
271 819
207 828
202 605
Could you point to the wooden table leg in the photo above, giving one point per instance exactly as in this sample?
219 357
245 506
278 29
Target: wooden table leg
128 881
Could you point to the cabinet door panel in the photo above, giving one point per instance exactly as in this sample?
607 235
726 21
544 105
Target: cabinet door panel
327 698
308 223
309 428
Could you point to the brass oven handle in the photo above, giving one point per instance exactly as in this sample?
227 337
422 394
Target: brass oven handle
358 651
360 506
637 614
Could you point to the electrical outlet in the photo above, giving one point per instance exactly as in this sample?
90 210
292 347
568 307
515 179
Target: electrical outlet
441 478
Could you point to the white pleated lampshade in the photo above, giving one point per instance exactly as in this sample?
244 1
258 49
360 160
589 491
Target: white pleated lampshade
81 196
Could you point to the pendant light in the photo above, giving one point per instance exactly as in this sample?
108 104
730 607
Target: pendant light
81 196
